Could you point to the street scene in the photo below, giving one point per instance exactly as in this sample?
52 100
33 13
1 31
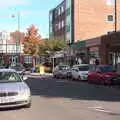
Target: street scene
60 60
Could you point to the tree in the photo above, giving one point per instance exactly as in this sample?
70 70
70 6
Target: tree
51 46
31 41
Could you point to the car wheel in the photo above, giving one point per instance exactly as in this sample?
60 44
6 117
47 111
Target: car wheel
79 78
72 78
102 82
54 76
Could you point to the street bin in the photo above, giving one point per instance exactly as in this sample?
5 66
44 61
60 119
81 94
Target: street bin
42 69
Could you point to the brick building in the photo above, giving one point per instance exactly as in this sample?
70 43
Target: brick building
85 20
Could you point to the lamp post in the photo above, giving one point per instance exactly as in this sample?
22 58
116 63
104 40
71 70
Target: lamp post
18 47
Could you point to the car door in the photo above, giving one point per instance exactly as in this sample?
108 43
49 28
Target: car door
75 72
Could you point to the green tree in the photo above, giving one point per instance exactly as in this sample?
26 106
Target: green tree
56 45
51 46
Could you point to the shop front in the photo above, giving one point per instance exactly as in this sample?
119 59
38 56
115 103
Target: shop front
113 45
80 52
93 50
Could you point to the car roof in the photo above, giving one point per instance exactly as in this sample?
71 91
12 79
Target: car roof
81 65
7 70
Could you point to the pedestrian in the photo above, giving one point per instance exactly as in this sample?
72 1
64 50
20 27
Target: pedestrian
97 62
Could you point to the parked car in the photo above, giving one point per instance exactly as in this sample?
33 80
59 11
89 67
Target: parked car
61 71
14 91
80 72
103 74
18 67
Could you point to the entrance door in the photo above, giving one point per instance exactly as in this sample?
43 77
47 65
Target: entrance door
14 59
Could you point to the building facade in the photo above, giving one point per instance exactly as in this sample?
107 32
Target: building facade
76 20
10 49
57 22
85 20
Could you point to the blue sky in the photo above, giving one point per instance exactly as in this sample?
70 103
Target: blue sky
31 12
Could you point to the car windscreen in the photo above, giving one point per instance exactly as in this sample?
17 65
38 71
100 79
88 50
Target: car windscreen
9 77
83 68
107 68
64 67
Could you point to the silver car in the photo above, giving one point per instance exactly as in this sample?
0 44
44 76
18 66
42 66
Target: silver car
14 91
61 71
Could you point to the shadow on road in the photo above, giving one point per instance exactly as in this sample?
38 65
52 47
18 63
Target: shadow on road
75 90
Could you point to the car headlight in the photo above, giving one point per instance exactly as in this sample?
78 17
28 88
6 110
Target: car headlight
24 93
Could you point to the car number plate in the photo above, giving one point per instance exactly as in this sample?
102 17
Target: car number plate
6 100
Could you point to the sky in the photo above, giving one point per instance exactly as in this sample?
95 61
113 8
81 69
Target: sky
31 12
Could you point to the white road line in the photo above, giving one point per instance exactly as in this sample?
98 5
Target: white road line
101 110
96 107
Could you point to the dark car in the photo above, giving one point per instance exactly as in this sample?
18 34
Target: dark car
103 74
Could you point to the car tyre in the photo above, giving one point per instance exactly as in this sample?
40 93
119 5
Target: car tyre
72 78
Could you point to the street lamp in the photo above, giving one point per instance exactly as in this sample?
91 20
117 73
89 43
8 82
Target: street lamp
18 37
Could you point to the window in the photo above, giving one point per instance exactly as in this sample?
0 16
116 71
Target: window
59 25
62 9
68 37
110 2
28 59
59 11
56 27
63 24
110 18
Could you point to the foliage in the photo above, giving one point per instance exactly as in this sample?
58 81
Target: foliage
31 41
51 46
56 45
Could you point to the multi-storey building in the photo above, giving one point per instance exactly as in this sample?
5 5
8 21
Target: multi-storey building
57 22
84 20
77 20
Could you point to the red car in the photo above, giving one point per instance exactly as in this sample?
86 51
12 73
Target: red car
103 74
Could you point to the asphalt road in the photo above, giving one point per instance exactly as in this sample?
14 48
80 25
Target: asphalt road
57 99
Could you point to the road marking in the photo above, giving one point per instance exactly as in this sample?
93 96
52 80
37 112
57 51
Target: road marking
96 107
100 109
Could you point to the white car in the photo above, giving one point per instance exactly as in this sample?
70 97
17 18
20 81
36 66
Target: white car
80 72
14 91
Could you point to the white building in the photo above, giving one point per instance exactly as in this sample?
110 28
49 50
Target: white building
8 46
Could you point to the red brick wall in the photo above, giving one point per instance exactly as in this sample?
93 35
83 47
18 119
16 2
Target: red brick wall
90 18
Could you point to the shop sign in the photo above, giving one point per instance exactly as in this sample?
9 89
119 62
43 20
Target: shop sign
93 49
93 42
79 45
